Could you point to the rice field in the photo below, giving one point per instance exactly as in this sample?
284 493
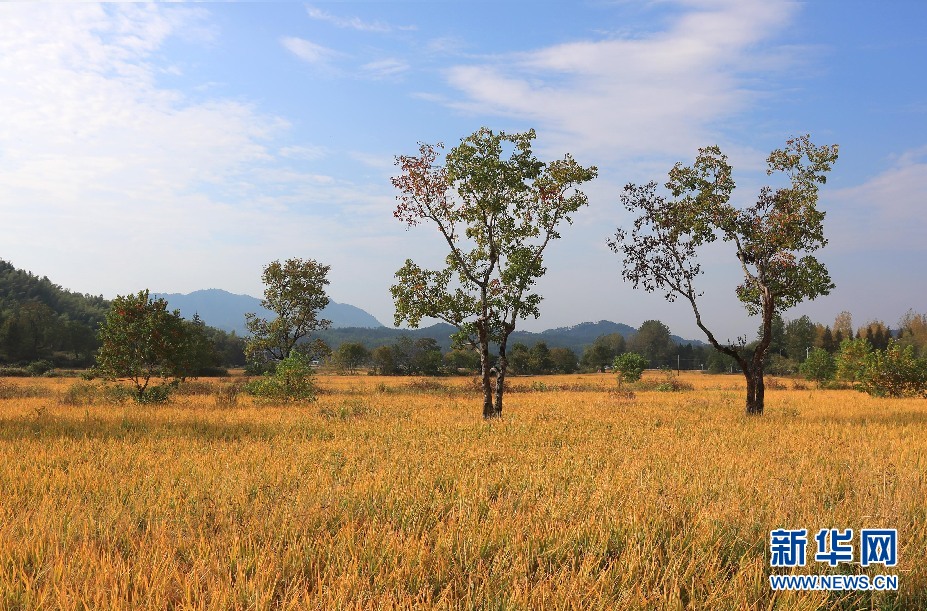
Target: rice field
393 493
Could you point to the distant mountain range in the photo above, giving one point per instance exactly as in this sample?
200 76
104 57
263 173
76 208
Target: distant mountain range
21 290
226 311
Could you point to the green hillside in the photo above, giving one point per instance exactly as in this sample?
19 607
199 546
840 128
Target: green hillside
41 320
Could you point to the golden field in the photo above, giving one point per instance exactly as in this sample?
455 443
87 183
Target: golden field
394 493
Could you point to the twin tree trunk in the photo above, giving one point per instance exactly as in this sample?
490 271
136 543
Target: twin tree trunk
755 390
490 409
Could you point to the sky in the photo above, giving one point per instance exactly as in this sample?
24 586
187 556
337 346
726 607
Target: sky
179 146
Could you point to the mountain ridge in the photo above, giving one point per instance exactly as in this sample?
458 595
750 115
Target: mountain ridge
225 310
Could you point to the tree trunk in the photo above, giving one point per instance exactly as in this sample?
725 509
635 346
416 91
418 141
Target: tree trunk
755 391
485 367
501 368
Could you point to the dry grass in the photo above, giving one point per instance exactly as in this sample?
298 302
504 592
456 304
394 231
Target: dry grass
388 493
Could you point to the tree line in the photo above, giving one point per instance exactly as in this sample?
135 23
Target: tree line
498 208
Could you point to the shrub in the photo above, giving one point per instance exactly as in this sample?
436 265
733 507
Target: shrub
779 365
630 367
291 381
41 367
894 372
820 366
80 393
158 394
851 361
14 372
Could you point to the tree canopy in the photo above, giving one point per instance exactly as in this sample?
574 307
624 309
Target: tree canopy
773 240
497 207
295 291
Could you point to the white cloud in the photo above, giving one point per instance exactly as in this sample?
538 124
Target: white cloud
353 23
112 182
885 212
385 68
308 51
304 152
655 93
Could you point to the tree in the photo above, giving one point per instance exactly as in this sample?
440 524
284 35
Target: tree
843 324
497 216
563 360
295 291
140 340
776 335
825 339
603 351
630 366
851 360
384 361
540 358
351 355
773 241
520 359
912 330
819 366
799 336
461 359
200 353
653 342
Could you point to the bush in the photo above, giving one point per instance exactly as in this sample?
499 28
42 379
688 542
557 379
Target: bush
158 394
852 359
630 367
80 393
14 372
820 366
894 372
41 367
291 381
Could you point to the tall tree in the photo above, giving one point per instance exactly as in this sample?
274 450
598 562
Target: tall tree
843 323
295 291
799 338
773 240
563 360
653 342
496 215
351 355
603 351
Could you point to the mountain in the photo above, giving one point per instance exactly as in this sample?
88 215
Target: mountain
576 338
226 311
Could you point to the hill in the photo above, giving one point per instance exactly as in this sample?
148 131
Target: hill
226 311
41 320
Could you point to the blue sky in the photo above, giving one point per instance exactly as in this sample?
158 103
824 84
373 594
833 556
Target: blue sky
184 146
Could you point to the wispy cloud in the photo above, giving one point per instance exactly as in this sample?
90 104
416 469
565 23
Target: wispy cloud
385 68
308 51
884 212
651 93
304 152
112 178
354 23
